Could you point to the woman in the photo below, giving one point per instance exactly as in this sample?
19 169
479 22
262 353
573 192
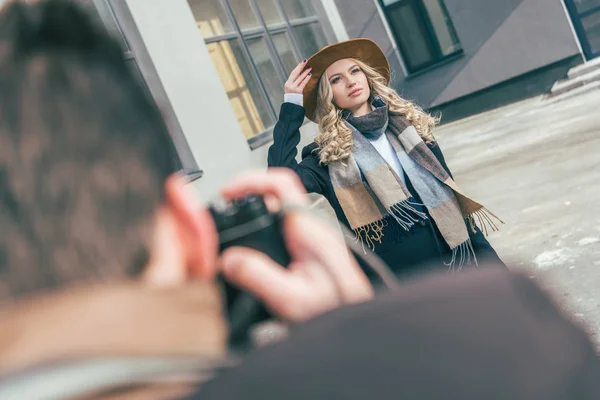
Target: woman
376 162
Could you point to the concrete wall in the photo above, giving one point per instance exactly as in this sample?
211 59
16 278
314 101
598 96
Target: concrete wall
501 39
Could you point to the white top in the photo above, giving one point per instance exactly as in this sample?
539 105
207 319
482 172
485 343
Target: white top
295 98
382 144
384 147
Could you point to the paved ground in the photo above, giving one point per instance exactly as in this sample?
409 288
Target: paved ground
537 165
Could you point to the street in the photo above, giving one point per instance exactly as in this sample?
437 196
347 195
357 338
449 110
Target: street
536 165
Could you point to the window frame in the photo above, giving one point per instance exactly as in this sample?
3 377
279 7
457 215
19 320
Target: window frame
266 31
430 35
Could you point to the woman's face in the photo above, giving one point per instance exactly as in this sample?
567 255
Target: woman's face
349 84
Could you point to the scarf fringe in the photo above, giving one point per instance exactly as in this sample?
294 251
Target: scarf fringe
462 255
406 215
369 234
486 220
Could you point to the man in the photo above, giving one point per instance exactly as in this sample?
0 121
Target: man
108 265
104 251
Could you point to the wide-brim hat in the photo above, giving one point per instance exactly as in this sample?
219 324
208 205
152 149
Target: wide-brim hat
361 49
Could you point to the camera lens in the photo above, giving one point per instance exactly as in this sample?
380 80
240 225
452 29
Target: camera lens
225 217
252 207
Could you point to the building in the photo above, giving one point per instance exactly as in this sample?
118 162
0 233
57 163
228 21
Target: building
217 67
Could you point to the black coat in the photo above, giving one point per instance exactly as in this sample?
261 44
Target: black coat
490 335
407 253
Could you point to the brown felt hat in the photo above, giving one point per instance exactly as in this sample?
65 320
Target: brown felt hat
364 50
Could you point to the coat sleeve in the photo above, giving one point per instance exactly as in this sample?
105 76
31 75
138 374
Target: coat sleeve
437 152
283 151
483 249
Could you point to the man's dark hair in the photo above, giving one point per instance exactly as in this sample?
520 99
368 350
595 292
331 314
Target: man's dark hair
84 152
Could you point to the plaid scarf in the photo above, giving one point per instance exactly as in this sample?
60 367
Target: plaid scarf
371 193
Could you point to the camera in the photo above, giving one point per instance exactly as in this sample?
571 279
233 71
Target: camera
247 222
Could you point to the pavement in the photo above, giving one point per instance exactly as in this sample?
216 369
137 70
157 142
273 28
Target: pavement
536 164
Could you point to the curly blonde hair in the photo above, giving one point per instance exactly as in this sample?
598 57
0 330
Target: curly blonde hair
335 138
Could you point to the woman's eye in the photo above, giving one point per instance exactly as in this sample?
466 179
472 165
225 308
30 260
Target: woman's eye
356 70
335 80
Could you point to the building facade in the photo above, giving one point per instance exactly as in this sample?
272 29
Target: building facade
216 68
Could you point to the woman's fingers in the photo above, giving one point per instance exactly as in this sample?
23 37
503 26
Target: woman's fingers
296 71
296 78
301 77
304 82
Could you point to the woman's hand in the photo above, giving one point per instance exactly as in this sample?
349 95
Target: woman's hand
298 79
322 274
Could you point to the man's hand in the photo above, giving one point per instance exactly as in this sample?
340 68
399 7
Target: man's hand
322 274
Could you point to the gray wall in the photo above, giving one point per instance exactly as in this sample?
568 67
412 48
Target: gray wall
501 39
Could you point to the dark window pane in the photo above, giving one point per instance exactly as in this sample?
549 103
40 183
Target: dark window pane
284 49
443 28
245 96
586 5
266 69
310 39
411 35
298 8
210 17
591 24
423 30
269 12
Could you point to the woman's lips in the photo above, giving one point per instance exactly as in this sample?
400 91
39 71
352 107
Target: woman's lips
355 92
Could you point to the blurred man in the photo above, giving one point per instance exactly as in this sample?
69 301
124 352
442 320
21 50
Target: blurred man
108 265
95 219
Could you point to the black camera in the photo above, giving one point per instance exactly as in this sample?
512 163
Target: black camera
247 222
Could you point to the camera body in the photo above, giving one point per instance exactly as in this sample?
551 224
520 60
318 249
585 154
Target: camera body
247 222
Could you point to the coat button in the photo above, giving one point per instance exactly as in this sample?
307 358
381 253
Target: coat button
423 222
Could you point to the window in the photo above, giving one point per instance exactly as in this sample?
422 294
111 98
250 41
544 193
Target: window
423 31
254 45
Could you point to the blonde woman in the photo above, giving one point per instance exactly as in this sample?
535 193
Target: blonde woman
376 162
